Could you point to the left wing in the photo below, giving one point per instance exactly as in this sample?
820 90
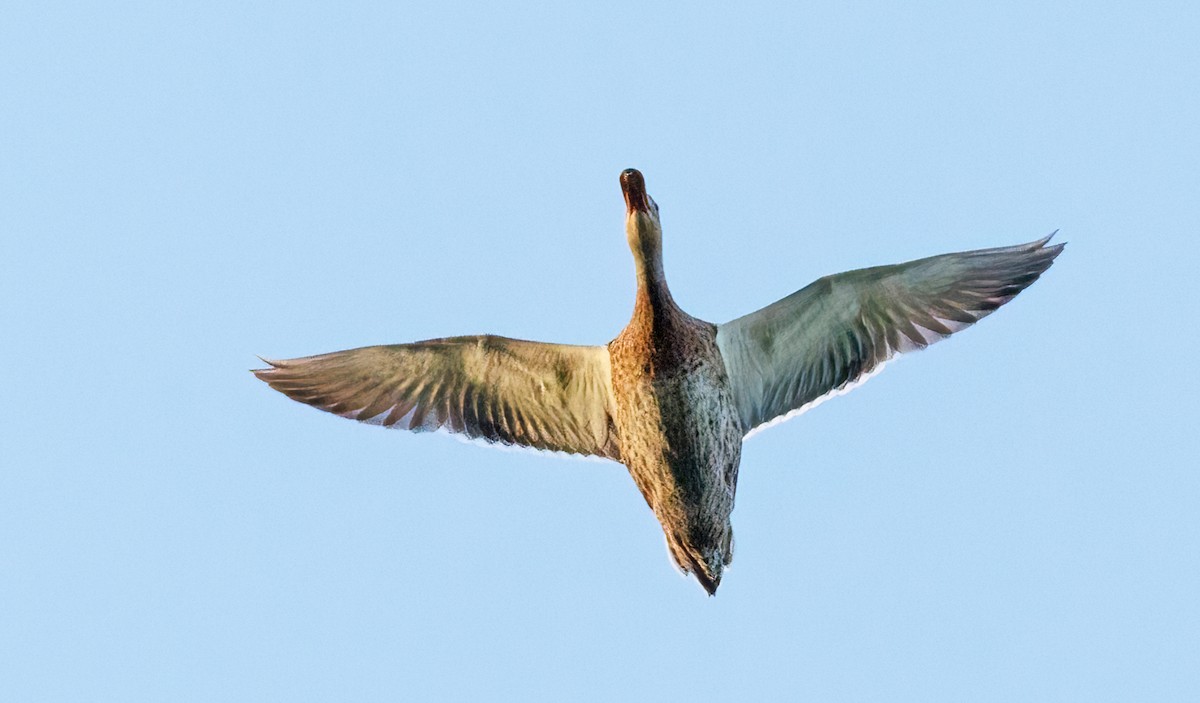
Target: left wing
835 333
544 396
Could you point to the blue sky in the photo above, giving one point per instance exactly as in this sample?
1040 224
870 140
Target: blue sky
1009 515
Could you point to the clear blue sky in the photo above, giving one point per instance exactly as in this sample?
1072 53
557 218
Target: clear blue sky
1013 514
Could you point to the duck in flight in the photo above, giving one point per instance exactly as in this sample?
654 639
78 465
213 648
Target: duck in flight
672 396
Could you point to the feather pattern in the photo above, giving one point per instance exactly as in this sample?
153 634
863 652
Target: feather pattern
554 397
838 331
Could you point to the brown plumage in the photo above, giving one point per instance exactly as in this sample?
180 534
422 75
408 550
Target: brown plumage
672 396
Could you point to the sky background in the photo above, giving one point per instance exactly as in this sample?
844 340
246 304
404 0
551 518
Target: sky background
1013 514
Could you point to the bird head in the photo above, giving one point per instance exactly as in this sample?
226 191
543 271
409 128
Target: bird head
642 227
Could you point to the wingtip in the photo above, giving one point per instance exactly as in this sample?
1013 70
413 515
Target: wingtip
263 373
1040 247
1041 243
1053 234
1054 249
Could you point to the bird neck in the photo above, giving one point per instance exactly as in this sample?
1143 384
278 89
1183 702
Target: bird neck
653 302
648 269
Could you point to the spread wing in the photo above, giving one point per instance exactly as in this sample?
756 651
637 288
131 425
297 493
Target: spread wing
835 333
545 396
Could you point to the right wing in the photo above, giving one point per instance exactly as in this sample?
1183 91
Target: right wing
546 396
835 333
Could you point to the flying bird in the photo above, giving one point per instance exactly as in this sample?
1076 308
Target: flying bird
671 397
